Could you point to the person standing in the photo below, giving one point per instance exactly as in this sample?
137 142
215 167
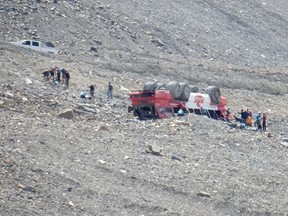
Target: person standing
63 72
110 91
258 122
244 116
249 121
264 122
67 78
249 113
58 76
92 91
227 115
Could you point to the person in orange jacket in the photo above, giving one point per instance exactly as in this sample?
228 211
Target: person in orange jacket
249 121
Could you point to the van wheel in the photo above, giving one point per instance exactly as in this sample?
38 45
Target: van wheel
214 93
174 88
150 86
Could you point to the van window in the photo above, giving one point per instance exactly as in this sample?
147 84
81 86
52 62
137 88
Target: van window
26 43
34 43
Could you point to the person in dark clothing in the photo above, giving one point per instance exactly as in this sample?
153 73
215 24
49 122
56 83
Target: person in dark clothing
241 113
67 78
244 116
110 91
92 91
46 75
50 73
227 116
63 72
58 76
249 113
264 122
258 122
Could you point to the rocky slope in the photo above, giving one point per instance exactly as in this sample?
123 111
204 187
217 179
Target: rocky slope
106 162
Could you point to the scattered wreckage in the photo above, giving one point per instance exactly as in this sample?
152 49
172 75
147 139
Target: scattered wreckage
159 100
40 46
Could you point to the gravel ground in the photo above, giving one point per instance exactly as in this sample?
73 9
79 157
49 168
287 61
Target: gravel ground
106 162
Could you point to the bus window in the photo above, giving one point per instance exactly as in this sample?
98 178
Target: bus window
34 43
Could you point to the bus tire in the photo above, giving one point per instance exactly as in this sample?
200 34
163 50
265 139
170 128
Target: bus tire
149 86
160 86
185 91
174 88
214 94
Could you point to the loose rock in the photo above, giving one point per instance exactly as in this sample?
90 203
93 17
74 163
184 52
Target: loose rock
68 114
203 194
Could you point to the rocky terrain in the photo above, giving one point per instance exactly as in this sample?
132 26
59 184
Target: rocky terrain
100 160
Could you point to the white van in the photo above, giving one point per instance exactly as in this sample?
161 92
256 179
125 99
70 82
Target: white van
47 47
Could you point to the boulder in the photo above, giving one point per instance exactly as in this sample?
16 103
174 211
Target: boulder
68 114
155 150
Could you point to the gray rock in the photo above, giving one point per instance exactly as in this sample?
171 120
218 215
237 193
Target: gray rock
29 189
175 158
155 150
203 194
68 114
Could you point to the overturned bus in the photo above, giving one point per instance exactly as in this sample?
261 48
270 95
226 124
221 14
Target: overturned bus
161 103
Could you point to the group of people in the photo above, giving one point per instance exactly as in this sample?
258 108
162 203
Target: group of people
83 94
246 120
62 75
